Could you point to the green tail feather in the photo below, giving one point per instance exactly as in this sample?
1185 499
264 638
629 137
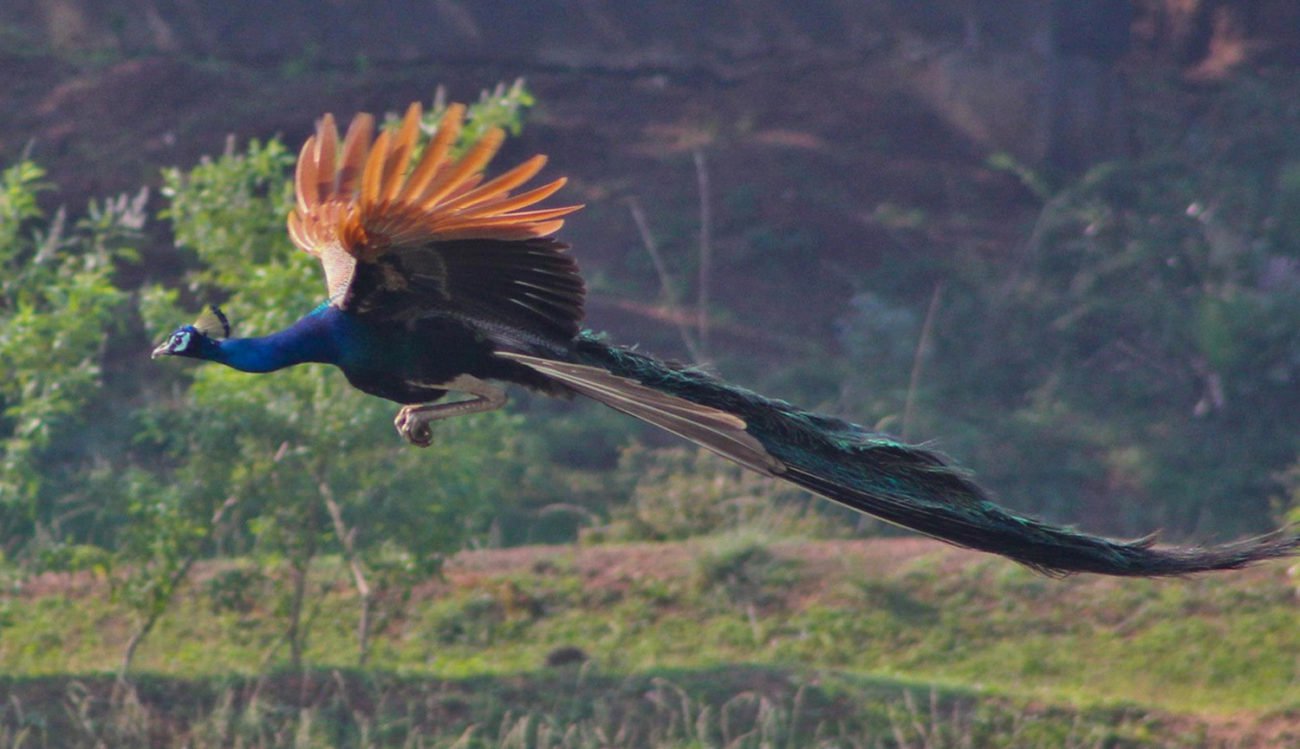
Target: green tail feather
917 488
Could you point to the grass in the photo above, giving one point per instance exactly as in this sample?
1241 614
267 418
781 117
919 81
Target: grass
1101 662
725 707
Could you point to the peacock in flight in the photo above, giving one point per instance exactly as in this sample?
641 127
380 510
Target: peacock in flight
439 280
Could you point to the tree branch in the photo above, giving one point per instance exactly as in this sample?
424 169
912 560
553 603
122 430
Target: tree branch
345 538
666 285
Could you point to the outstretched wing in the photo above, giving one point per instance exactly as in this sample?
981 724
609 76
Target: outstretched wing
401 236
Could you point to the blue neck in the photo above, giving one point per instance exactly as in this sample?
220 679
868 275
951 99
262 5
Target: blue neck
311 339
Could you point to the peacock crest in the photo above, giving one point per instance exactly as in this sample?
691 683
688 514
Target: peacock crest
212 323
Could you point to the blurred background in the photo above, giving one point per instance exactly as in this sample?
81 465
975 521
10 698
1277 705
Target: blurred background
1059 240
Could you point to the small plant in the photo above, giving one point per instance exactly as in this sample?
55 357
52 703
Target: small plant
236 589
485 618
682 492
742 568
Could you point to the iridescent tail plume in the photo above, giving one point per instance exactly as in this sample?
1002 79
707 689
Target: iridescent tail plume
903 484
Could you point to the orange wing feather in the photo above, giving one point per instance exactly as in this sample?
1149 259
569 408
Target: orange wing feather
368 197
402 236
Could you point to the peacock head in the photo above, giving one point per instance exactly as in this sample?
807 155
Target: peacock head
197 340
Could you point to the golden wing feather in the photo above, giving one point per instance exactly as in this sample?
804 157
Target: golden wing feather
325 152
355 145
435 154
449 180
399 154
366 197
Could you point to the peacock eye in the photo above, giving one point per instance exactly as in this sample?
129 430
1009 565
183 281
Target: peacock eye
180 341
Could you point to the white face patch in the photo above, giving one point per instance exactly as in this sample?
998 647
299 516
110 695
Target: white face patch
181 341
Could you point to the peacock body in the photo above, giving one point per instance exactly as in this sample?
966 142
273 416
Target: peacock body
440 281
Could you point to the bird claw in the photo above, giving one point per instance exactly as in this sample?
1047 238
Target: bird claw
413 428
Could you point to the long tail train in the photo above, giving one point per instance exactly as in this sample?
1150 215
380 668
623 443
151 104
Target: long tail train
903 484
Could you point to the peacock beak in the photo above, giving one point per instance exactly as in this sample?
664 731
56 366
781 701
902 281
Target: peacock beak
161 350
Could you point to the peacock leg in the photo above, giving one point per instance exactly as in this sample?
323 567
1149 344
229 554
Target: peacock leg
412 422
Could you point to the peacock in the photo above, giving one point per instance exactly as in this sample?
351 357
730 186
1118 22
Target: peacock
439 280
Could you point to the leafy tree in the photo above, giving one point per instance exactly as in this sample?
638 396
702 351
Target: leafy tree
302 462
1138 358
57 302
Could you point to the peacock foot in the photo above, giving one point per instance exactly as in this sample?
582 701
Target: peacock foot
412 421
413 426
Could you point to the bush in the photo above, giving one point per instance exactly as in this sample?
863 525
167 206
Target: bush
680 492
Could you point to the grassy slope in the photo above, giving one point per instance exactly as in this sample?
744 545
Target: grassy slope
1216 653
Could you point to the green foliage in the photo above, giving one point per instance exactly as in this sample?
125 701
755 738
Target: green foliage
674 493
57 301
478 620
1134 366
230 212
235 589
741 567
1030 178
503 106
